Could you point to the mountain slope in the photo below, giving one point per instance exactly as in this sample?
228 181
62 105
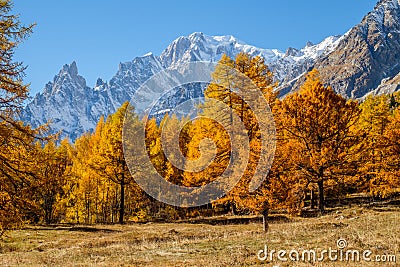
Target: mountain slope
368 54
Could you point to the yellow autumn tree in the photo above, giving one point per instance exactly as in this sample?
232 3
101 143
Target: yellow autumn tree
105 201
374 119
88 201
174 141
256 74
78 206
16 139
320 125
379 118
230 81
391 145
54 170
17 176
206 129
110 160
209 147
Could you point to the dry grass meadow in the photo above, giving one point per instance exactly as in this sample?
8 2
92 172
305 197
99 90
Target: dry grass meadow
184 244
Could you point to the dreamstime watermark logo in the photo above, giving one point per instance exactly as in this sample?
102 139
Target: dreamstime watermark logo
338 254
165 83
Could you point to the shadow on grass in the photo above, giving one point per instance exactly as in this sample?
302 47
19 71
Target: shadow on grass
276 218
92 229
71 227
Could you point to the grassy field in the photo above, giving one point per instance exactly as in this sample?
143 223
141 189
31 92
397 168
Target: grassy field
183 244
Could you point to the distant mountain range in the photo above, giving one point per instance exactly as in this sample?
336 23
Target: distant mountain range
363 61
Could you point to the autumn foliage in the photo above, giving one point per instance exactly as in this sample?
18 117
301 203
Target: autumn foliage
327 147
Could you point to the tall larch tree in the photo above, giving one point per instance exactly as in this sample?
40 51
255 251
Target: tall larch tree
54 171
375 117
391 145
321 126
16 140
111 161
254 74
230 78
85 200
379 118
105 191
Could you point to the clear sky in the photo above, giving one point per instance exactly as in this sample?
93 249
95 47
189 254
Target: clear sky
100 34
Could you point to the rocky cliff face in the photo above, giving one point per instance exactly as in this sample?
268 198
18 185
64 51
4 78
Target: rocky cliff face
387 86
366 56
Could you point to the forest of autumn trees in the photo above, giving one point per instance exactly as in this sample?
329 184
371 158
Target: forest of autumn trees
327 147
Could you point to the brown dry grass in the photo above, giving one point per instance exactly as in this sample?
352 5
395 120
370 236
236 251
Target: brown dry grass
201 244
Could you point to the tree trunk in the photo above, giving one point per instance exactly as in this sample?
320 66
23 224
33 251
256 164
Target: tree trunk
77 216
265 220
233 208
312 199
321 202
48 208
122 200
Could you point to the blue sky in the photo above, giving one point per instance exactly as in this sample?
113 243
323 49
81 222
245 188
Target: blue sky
100 34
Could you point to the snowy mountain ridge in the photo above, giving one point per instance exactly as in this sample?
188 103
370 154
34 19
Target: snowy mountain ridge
201 47
74 108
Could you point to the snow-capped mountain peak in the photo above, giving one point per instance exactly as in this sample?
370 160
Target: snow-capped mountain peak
75 108
199 46
67 77
324 47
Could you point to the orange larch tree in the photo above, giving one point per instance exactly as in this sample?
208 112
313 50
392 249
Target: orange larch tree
321 126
